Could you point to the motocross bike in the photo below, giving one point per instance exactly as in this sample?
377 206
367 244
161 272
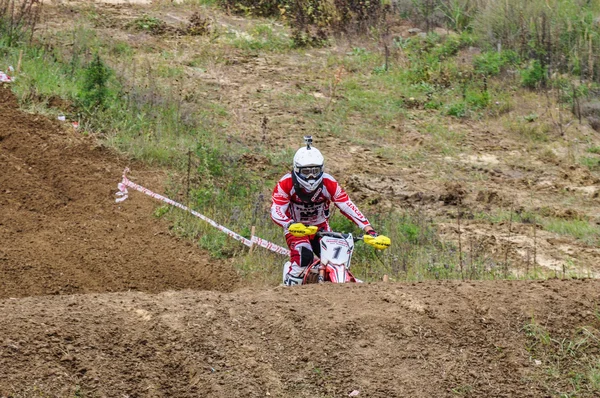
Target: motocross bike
336 254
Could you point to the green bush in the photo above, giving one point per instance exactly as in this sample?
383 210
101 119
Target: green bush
410 231
534 76
458 109
560 34
431 58
95 91
448 47
478 99
313 21
491 63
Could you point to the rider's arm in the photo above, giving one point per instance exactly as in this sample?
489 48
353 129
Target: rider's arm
281 202
346 206
368 229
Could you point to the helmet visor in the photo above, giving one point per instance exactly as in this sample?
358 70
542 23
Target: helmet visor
310 172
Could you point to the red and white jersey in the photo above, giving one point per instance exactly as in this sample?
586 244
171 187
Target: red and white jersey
288 207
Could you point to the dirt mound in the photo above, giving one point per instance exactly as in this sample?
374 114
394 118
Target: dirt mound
61 230
430 339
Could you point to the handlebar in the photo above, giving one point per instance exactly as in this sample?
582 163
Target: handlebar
340 235
380 242
300 230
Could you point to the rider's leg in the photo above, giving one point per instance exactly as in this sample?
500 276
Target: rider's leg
301 256
287 267
294 274
302 253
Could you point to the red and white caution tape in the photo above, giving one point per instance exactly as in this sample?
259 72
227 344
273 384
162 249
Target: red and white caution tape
123 195
4 78
63 118
270 246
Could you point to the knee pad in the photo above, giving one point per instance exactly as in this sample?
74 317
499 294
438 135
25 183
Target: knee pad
306 257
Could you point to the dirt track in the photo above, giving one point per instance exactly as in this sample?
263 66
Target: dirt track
422 340
62 233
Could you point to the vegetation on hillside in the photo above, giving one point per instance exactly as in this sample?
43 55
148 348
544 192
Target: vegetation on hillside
558 36
569 359
146 110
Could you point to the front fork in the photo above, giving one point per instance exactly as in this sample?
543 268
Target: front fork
321 278
320 275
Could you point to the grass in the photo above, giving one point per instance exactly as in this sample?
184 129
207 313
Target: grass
445 140
594 150
380 98
569 362
528 130
579 229
262 37
502 215
142 115
417 253
592 163
582 230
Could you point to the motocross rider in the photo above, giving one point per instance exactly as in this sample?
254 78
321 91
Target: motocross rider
302 198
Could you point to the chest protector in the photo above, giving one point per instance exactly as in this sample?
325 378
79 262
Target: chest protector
313 207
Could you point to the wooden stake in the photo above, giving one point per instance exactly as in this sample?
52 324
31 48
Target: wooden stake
252 231
19 62
460 258
508 243
535 246
187 181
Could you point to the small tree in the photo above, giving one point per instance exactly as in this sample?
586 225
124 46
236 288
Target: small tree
95 84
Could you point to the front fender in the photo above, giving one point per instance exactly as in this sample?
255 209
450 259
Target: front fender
338 274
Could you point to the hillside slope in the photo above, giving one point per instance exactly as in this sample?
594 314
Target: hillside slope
522 172
60 229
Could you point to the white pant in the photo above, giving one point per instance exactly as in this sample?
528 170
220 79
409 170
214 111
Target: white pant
293 274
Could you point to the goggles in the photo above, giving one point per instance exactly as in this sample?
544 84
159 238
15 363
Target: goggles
307 172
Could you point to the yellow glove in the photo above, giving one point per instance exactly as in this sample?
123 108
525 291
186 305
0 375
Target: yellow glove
300 230
380 242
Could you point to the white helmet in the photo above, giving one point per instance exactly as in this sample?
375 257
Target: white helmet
308 167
